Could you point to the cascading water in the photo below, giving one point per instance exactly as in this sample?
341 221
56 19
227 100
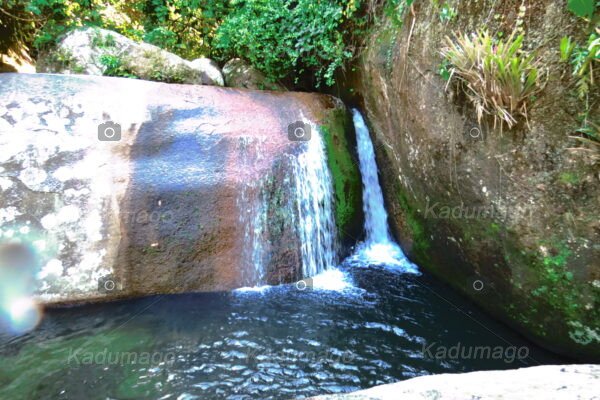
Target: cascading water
314 191
378 247
311 211
253 214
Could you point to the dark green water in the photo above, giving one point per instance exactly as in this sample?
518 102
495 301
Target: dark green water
277 343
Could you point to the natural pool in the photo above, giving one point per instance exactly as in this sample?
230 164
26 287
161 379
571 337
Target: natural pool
379 325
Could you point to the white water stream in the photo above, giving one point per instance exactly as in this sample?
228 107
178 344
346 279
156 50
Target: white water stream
378 247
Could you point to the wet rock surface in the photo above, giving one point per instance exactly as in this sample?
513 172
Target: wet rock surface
163 209
509 218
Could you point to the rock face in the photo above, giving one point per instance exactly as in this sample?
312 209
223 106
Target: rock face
210 70
170 207
544 382
239 74
508 218
95 51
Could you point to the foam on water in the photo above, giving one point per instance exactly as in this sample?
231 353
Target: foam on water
314 191
378 247
253 289
332 279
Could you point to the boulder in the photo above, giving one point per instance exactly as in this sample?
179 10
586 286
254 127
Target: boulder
210 70
544 382
96 51
239 74
126 188
508 217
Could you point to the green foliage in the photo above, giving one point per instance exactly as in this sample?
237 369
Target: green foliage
103 42
64 60
447 11
113 66
185 27
583 334
396 10
582 8
59 16
444 70
16 26
287 38
569 178
566 48
499 77
582 57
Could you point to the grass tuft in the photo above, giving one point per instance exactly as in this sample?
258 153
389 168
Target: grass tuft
499 77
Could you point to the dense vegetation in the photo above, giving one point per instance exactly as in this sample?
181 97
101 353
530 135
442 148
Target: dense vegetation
286 39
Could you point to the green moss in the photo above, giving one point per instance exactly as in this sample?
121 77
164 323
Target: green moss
62 59
569 178
556 292
418 231
347 184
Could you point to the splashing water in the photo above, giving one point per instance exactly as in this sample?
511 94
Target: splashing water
378 247
314 191
315 222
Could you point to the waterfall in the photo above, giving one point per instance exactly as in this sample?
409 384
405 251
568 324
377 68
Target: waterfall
378 247
253 213
314 197
311 210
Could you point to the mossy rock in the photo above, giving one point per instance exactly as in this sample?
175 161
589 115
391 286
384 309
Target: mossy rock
340 142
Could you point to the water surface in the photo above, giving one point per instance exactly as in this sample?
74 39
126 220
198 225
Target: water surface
277 342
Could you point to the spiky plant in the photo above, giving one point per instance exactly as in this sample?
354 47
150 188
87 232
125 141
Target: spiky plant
500 78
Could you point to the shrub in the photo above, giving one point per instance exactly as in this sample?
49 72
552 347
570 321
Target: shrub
500 78
293 39
184 27
113 66
583 57
288 38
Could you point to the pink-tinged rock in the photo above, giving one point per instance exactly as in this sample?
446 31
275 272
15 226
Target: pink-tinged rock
166 208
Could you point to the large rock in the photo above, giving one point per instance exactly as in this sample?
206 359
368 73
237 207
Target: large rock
508 218
200 176
558 382
96 51
239 74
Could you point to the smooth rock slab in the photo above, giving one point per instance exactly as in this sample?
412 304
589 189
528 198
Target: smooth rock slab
166 208
555 382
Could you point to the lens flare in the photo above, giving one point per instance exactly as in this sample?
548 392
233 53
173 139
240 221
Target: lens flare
24 314
19 312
